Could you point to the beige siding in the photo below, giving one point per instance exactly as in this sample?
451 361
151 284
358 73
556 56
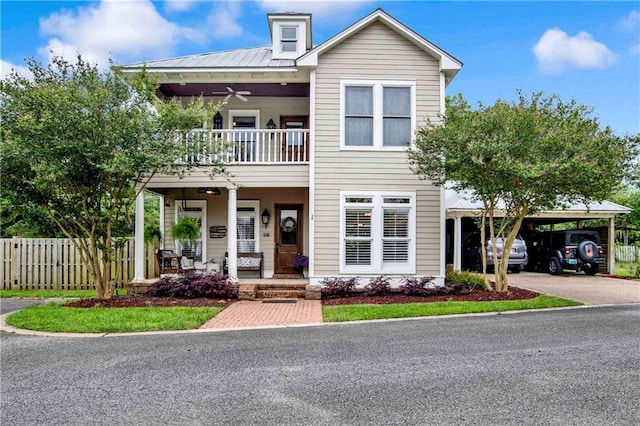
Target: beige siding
217 207
376 52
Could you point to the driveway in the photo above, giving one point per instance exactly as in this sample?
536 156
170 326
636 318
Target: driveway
597 290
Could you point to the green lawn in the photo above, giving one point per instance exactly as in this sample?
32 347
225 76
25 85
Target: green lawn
53 317
44 294
626 269
368 312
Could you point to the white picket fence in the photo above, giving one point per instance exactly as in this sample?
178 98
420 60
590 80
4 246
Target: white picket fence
627 253
55 264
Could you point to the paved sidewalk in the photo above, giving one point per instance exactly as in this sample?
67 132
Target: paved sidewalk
259 314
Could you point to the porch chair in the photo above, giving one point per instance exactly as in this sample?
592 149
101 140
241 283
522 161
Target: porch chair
186 264
167 261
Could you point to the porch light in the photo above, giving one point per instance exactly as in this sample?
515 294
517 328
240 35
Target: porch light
265 217
209 191
270 124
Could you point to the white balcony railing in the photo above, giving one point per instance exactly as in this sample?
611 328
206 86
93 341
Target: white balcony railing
248 146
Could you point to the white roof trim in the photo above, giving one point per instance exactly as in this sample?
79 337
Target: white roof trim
447 62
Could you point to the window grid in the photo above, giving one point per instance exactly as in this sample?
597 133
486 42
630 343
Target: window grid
378 233
358 236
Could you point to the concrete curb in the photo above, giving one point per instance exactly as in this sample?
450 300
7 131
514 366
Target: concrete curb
10 329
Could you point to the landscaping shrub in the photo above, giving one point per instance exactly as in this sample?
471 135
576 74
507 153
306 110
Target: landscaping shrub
377 286
470 279
333 287
215 286
425 286
191 285
419 286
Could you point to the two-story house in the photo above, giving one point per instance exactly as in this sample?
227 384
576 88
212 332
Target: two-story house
316 140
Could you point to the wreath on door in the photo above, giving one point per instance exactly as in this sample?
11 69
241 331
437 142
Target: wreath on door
288 224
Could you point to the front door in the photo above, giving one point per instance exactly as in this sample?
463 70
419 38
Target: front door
289 241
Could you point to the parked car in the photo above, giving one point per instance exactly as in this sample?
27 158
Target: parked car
576 249
472 251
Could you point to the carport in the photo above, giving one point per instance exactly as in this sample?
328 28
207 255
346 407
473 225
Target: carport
462 214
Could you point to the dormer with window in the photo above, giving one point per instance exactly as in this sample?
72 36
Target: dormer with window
290 34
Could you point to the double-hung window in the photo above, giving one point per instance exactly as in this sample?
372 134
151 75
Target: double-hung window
289 39
377 114
378 232
247 226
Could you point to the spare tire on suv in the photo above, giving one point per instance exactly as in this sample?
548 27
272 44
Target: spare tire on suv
575 249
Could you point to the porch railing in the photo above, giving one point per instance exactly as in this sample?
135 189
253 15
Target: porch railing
247 146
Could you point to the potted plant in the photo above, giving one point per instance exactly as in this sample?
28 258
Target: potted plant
299 263
186 230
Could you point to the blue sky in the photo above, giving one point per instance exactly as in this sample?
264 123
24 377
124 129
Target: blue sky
589 51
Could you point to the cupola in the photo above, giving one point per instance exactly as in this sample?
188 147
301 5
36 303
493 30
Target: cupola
290 34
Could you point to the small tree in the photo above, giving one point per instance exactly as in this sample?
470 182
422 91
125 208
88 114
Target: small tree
519 158
82 144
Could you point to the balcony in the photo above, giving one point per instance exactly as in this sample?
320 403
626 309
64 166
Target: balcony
247 146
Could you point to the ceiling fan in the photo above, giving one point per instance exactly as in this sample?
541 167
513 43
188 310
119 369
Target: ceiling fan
240 94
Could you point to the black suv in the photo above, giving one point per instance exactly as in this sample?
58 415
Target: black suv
576 249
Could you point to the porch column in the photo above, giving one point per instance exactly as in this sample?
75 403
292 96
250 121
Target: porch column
232 233
611 261
139 257
457 243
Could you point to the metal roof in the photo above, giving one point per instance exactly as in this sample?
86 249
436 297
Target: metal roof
253 57
463 201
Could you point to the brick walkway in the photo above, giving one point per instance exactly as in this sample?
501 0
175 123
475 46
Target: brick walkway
258 314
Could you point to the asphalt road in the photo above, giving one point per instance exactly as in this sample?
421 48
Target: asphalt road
579 366
10 305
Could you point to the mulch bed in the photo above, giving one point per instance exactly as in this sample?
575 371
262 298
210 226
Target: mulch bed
476 295
149 301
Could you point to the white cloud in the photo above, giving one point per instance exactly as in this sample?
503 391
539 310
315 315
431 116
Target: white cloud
630 23
635 49
223 20
7 67
179 5
124 30
557 51
319 8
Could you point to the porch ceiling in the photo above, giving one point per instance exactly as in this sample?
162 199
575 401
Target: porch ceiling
256 89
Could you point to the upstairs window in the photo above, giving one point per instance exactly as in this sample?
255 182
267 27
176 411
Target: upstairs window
358 116
377 114
289 39
396 118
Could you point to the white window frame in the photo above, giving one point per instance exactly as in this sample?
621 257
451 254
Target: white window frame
203 229
377 236
301 39
378 129
244 113
255 204
283 39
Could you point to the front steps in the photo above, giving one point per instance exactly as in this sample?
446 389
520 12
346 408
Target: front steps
279 291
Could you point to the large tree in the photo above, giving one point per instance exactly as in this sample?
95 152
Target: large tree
521 157
82 143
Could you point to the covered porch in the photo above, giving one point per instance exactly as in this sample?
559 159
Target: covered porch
234 222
